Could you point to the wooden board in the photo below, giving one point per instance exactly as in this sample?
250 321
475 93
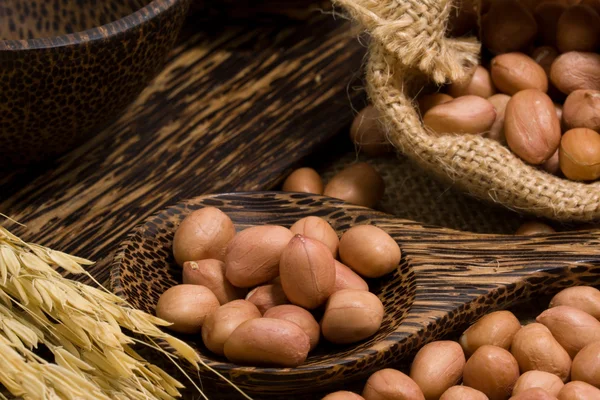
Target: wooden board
234 109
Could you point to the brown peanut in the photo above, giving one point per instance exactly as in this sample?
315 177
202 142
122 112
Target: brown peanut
577 390
307 272
585 298
467 114
580 154
576 70
496 329
508 26
531 126
513 72
358 184
582 110
538 379
586 365
493 371
572 328
437 367
367 133
496 132
578 29
478 84
428 101
535 348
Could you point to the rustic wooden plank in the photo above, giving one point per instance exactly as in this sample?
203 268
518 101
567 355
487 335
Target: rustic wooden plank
231 111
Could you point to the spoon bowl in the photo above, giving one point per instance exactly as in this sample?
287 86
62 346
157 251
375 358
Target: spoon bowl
446 280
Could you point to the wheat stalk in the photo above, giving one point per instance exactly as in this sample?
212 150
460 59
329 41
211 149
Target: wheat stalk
80 325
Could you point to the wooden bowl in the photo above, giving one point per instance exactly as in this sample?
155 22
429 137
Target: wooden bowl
68 68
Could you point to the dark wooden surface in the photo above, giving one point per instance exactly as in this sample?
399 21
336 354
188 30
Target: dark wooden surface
235 109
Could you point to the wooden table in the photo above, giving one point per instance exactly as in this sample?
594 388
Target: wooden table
234 109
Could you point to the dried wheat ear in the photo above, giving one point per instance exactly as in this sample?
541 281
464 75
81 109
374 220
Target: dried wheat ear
81 325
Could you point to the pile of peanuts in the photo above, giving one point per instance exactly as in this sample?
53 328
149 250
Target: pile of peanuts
349 185
539 94
358 184
557 357
253 295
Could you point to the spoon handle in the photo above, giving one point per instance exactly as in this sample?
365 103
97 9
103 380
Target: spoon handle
461 276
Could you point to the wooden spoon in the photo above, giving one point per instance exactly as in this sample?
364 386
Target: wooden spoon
446 280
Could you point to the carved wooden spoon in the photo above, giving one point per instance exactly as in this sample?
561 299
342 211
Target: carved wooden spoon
446 280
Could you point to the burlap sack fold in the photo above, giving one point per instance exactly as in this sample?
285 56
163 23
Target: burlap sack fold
408 45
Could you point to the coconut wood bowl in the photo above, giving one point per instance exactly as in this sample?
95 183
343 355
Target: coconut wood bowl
67 68
446 280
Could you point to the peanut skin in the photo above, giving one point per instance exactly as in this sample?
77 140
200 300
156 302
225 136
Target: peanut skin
578 390
307 272
585 298
497 329
513 72
268 342
467 114
578 29
388 384
437 367
535 348
582 110
572 328
493 371
531 126
580 154
576 70
586 365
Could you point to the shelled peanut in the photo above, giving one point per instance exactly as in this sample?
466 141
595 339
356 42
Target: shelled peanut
255 302
556 358
534 228
537 90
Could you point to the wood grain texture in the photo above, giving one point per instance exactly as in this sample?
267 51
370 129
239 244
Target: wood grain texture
446 280
63 76
234 109
263 10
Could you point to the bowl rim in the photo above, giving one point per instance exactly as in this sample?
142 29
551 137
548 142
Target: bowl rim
223 366
95 34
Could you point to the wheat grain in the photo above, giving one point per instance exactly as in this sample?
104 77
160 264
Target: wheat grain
96 363
82 327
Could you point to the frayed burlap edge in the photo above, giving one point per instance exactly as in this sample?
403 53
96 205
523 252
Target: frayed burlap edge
406 27
407 41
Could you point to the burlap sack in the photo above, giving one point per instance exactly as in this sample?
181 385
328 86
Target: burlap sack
408 47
